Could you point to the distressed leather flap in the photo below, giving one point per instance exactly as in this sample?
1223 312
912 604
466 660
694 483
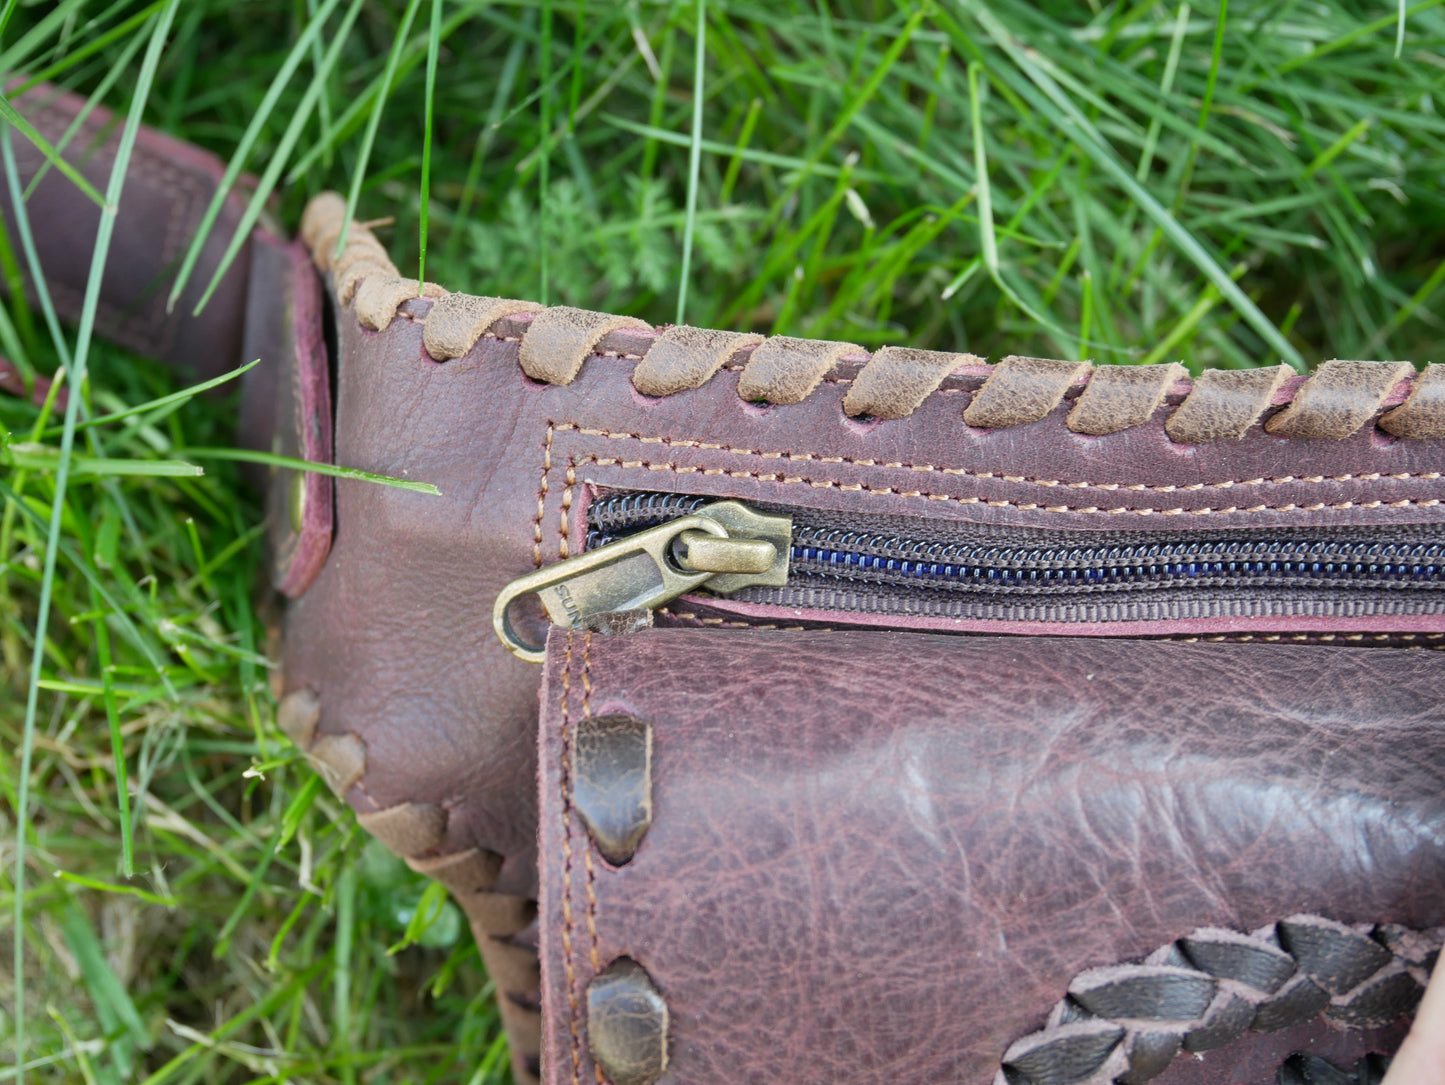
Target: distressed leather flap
895 857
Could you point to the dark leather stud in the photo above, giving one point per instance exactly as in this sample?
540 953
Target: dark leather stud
612 783
1144 992
627 1024
1337 957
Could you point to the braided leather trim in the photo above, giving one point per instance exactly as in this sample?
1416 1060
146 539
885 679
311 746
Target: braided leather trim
417 832
1336 402
1206 990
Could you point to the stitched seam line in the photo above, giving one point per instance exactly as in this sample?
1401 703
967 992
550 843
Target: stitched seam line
689 616
859 487
563 546
541 499
1309 638
807 457
566 784
587 851
1376 401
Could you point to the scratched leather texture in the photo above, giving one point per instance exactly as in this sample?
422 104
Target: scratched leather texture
394 636
881 857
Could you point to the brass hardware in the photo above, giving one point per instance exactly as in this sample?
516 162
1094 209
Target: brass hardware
725 546
704 553
741 522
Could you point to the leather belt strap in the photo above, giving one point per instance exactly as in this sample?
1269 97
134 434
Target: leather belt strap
167 190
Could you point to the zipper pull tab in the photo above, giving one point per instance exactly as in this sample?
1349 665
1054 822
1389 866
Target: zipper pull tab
726 546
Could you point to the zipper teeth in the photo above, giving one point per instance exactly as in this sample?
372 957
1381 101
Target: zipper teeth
843 554
1041 558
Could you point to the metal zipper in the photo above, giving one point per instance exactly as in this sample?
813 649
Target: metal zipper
724 545
641 551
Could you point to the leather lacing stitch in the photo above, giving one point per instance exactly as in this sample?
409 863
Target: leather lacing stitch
1334 402
1206 990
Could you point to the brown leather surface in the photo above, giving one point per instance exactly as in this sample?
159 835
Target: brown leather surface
785 370
859 871
284 330
167 189
897 380
267 307
684 357
1120 396
1339 398
1225 404
414 710
395 636
1422 415
1022 390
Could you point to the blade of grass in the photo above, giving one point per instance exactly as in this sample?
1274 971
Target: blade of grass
855 103
121 66
345 937
11 116
279 157
987 242
106 990
1166 87
433 47
78 561
735 162
117 740
363 158
92 46
1083 133
259 116
694 158
159 402
544 150
746 154
34 457
1344 41
1408 310
246 455
136 891
259 1009
161 27
1338 147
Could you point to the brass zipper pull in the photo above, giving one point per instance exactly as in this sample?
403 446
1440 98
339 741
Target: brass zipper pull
725 546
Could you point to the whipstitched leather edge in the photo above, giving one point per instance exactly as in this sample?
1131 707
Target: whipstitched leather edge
503 924
1209 988
1334 402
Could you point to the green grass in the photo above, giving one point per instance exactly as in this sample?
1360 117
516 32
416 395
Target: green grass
1127 182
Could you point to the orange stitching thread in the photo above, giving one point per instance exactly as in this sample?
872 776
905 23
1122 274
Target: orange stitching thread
563 549
587 853
1311 638
802 457
541 499
689 616
859 487
567 865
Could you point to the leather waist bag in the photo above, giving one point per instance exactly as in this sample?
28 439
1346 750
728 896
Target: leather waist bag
782 711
